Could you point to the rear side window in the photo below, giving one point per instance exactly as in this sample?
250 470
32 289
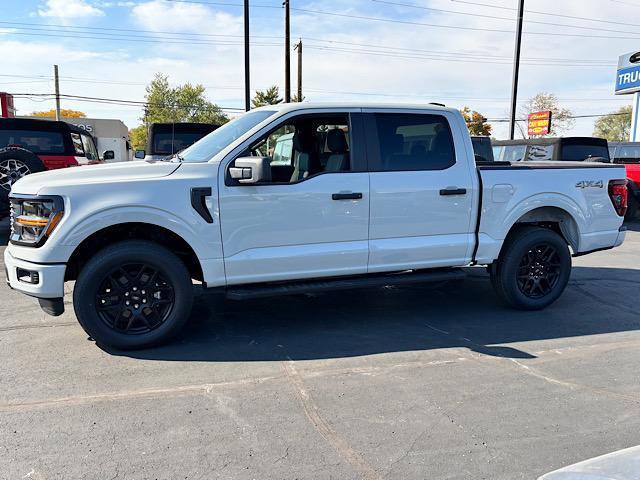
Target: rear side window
408 142
627 154
579 153
39 142
540 152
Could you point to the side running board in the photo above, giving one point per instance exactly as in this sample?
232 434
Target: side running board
246 292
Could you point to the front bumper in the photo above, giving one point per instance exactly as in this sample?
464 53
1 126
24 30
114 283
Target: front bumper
50 282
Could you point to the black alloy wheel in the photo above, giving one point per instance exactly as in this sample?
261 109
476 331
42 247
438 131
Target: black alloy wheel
539 271
135 299
133 294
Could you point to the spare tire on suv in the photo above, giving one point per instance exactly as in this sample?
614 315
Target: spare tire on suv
15 163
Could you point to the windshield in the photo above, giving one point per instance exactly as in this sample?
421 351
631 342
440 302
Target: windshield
216 141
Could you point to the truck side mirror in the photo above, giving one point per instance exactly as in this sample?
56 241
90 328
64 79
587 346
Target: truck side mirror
140 154
108 155
251 170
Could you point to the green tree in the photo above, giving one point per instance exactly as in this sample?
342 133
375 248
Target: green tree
561 118
138 137
270 96
616 126
295 98
476 122
184 103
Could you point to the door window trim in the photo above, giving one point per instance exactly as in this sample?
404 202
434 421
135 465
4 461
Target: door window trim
357 148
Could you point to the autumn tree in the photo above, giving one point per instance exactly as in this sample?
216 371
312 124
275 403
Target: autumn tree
561 118
615 127
64 112
476 122
270 96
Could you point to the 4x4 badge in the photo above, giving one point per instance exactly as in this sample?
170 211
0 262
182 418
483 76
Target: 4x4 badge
590 184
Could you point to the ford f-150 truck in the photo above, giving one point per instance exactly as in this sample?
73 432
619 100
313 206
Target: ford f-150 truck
369 196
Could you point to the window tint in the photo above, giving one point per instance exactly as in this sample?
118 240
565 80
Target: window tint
89 147
170 143
412 142
44 142
579 153
306 146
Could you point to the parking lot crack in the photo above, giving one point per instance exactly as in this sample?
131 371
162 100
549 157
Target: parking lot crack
326 431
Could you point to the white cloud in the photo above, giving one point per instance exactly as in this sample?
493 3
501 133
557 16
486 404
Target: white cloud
217 62
69 9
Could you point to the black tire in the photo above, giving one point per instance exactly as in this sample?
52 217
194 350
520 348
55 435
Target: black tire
15 163
533 269
117 275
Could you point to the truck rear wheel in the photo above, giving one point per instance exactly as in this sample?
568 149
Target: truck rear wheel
533 269
133 294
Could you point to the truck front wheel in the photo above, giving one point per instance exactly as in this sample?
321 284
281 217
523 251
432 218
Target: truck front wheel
533 269
133 294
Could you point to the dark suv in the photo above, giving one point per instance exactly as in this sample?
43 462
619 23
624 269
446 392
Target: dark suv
30 146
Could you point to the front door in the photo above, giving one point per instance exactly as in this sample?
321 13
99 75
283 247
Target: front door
311 220
421 192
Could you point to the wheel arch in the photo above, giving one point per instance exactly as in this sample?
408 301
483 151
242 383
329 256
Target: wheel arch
133 230
553 218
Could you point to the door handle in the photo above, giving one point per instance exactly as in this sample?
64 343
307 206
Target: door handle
347 196
453 191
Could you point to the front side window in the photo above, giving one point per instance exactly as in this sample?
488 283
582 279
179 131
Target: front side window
304 147
39 142
90 151
407 142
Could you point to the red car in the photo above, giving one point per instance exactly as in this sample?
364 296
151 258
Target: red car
30 146
628 154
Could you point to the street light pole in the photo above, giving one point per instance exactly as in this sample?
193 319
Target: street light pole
516 71
247 87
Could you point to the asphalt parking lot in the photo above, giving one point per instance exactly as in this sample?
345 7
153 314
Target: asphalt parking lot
397 383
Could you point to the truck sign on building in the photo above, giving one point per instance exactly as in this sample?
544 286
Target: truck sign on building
539 123
628 82
628 74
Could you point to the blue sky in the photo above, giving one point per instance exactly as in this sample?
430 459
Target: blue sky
450 51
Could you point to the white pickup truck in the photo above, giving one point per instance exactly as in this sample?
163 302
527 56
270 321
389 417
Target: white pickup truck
367 196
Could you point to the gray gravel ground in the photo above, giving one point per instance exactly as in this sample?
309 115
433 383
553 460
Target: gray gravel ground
398 383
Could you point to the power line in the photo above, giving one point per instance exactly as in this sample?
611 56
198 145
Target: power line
470 14
574 17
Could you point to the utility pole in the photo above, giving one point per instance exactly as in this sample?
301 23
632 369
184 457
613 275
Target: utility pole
247 86
299 48
516 71
57 86
287 54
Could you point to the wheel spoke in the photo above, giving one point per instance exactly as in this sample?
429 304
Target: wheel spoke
135 298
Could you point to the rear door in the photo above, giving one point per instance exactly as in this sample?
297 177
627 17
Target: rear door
307 222
421 190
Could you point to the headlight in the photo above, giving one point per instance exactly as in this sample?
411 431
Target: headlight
34 219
